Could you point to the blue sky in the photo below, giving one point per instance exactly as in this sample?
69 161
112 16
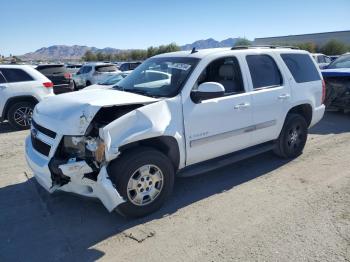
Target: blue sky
28 25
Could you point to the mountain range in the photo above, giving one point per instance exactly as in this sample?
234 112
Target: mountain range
75 52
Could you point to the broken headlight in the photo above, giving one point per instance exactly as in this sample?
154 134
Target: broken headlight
84 147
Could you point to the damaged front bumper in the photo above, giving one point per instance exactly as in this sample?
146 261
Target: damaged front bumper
102 188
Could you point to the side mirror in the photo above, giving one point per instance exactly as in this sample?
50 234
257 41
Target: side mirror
77 73
207 90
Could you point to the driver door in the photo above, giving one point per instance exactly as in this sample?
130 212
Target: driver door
218 126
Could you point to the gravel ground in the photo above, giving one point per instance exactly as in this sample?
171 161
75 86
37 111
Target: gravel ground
261 209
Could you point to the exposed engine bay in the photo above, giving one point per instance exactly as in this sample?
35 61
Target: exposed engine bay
89 148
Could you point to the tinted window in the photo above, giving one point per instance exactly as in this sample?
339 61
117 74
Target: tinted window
2 79
264 71
302 67
15 75
51 70
106 68
225 71
87 69
134 65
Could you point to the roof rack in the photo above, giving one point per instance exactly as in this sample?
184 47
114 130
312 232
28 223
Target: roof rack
241 47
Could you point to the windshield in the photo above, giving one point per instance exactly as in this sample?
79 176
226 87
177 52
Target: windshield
112 80
341 62
159 77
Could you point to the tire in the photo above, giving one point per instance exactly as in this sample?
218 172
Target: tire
88 83
292 138
129 181
14 115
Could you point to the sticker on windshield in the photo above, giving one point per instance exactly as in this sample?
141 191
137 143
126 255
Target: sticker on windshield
180 66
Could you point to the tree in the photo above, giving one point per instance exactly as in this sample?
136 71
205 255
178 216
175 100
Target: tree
309 46
243 42
89 56
334 47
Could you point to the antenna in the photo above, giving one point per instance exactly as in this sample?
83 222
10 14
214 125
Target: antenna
194 50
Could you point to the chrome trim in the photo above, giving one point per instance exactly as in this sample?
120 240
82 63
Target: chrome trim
208 139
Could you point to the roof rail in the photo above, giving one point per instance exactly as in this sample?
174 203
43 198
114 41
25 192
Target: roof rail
241 47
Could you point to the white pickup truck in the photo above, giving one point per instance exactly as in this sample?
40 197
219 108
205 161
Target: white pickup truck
181 113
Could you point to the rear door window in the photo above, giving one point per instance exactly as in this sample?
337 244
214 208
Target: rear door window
301 67
264 71
13 75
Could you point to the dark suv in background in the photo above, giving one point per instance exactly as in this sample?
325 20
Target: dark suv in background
127 66
60 77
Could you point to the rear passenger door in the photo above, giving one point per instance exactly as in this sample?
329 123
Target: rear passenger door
270 96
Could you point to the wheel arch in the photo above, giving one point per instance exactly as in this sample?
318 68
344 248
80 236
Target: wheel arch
304 110
11 101
168 145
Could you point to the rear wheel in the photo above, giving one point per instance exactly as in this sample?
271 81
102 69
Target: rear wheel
292 139
145 178
88 83
20 115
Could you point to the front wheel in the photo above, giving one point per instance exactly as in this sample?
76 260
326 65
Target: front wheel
292 139
145 178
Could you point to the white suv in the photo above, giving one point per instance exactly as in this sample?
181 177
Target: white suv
93 73
218 106
21 88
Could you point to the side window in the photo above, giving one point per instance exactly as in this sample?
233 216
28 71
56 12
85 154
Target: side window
321 59
225 71
2 79
16 75
327 59
301 67
87 69
81 70
264 71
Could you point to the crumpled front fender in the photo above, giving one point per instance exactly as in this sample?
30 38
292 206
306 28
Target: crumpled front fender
163 118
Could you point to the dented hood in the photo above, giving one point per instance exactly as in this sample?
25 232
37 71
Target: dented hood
72 112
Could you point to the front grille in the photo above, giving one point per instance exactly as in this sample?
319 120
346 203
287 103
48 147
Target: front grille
40 146
44 130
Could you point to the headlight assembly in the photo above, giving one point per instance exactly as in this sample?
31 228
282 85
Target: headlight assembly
84 147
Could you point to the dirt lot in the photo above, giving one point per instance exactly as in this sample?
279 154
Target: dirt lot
262 209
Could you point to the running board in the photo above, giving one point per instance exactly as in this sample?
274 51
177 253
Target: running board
212 164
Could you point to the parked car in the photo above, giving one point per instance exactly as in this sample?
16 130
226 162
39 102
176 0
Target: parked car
59 75
333 57
337 79
322 60
73 68
109 82
127 66
21 88
92 73
218 106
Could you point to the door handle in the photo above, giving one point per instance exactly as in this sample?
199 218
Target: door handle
284 96
241 106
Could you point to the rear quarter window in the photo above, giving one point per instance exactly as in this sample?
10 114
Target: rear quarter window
16 75
301 67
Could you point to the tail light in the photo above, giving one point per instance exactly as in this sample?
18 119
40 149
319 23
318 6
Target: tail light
67 75
323 91
48 84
